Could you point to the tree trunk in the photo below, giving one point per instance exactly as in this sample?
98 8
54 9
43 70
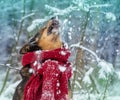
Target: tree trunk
79 61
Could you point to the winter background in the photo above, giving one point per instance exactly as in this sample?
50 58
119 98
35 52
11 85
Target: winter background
90 27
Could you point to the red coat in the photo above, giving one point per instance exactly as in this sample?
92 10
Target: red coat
51 71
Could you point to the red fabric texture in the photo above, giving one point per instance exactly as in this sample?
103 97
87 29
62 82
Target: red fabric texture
49 80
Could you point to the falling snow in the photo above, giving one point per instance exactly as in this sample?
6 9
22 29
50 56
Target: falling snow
62 68
101 46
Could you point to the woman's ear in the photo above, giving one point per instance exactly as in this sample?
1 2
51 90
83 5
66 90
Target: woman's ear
25 49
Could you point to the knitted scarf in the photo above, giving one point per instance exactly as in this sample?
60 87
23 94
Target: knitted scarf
51 71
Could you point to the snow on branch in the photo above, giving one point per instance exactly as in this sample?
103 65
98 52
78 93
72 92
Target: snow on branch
35 23
86 78
10 67
84 48
27 16
106 68
57 11
110 16
100 6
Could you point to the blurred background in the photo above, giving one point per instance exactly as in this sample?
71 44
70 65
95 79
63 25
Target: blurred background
94 24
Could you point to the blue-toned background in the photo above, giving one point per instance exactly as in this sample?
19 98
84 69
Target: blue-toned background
93 23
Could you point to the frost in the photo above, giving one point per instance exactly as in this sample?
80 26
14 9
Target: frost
110 16
62 68
106 69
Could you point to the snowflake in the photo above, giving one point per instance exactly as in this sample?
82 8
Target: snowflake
62 68
63 53
31 70
35 63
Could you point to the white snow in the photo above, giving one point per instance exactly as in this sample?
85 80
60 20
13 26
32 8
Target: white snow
110 16
62 68
35 24
9 91
48 94
39 66
65 21
35 63
60 11
31 70
32 27
63 53
81 5
29 15
58 92
84 48
93 97
106 69
78 84
118 74
57 74
86 78
69 35
100 5
58 84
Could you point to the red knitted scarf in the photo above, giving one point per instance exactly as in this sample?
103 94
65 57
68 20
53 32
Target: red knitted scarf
51 71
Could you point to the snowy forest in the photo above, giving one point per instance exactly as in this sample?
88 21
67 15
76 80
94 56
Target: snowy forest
91 28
